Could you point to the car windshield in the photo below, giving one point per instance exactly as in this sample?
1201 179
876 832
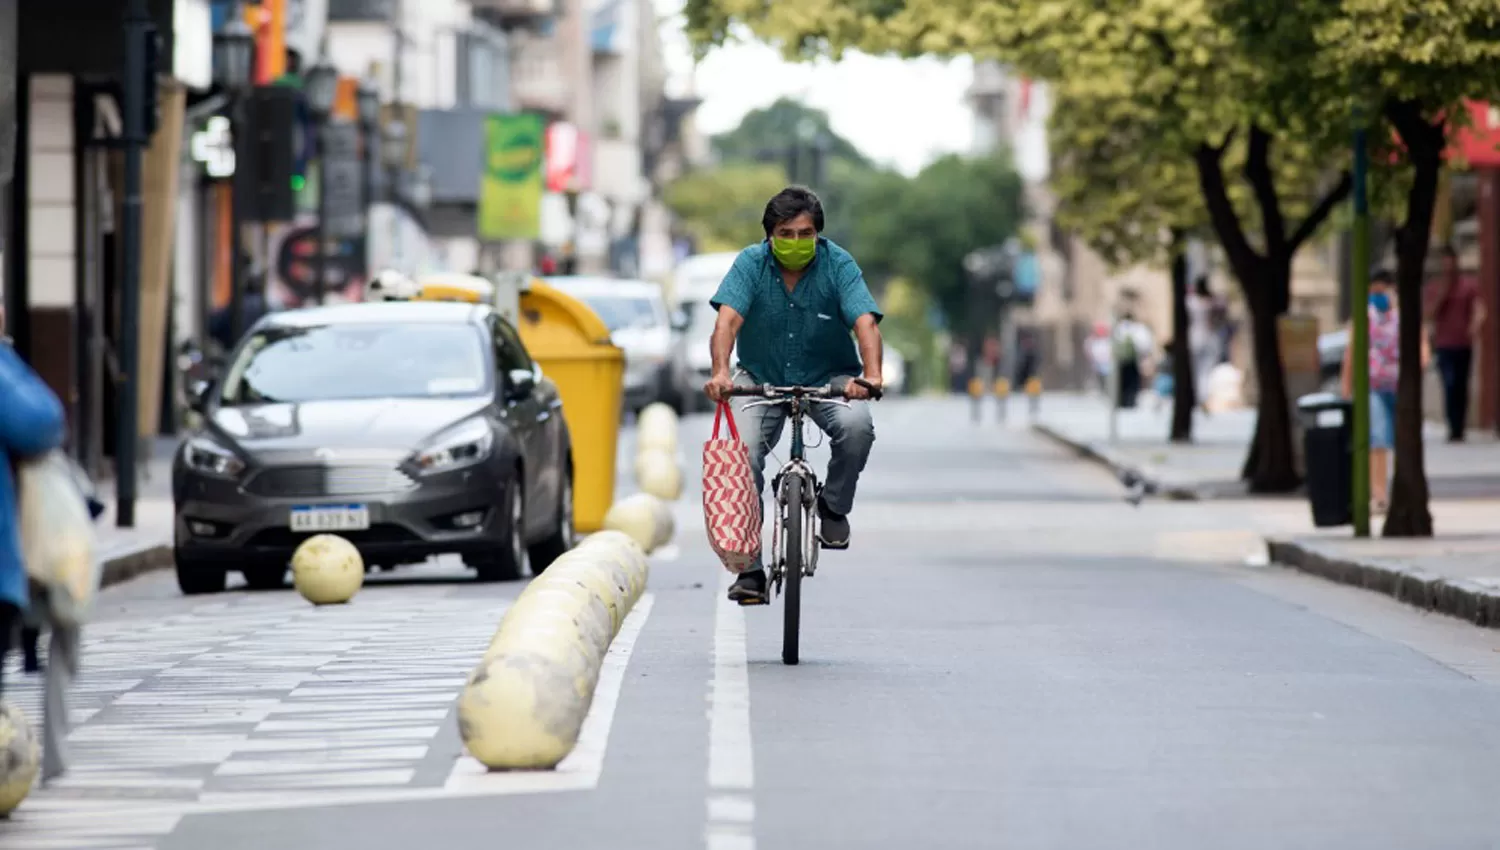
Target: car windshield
357 361
621 312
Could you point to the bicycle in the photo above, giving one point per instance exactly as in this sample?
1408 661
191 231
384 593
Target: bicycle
795 490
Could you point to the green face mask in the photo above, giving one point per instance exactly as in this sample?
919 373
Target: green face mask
794 254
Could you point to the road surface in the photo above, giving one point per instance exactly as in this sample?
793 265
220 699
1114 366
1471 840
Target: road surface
1008 657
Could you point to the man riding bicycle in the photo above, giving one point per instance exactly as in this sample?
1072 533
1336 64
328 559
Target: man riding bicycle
790 302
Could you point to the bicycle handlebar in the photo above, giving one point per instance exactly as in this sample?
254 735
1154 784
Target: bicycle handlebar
823 393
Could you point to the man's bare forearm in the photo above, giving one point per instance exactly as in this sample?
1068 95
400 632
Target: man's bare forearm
726 329
871 350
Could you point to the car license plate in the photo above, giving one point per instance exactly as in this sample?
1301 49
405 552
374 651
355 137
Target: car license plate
331 518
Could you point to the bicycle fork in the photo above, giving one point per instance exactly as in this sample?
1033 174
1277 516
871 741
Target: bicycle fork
809 542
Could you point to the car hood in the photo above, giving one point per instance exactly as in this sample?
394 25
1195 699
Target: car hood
387 428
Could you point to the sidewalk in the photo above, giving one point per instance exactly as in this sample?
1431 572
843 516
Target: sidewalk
128 552
1456 573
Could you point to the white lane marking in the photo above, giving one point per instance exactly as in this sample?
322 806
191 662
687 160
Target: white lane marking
731 759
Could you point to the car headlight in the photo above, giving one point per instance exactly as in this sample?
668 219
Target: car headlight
210 458
466 444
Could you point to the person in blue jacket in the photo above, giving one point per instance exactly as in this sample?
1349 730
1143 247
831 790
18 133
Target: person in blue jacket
31 423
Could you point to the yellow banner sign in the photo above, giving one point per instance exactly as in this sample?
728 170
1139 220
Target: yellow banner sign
510 183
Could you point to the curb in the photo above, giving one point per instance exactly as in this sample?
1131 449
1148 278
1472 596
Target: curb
1156 484
125 563
1475 601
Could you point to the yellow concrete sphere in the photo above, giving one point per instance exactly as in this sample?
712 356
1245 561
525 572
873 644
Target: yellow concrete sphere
20 758
621 550
638 517
656 428
522 712
327 569
658 473
566 605
665 526
607 581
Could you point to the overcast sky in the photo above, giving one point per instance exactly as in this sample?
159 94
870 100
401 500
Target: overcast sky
902 113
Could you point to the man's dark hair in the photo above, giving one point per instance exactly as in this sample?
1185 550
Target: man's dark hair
1383 276
790 203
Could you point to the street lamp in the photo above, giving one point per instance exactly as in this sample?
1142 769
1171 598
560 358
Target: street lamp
320 85
234 58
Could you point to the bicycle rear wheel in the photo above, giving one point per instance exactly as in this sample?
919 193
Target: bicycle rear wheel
791 542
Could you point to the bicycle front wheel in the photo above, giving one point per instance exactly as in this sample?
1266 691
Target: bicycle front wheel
791 543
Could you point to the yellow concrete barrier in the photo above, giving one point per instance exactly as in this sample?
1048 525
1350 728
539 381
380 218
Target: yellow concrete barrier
1033 386
524 705
658 473
1002 387
646 518
20 758
656 428
327 569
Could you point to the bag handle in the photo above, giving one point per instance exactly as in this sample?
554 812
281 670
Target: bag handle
723 412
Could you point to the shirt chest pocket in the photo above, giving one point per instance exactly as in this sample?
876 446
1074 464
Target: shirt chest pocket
823 311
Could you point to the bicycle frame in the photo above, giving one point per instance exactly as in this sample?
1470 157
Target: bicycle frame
797 408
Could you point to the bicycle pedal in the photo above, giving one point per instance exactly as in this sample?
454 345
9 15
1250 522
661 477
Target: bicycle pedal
751 603
837 547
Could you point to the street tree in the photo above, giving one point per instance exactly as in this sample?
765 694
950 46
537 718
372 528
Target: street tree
766 134
721 207
1407 67
1171 56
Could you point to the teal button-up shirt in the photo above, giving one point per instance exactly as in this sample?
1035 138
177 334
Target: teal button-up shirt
803 337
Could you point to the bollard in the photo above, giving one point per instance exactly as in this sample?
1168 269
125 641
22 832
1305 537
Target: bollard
1002 397
327 570
656 428
646 518
657 473
1034 395
976 397
524 705
20 758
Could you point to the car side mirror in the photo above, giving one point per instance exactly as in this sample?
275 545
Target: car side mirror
680 320
197 395
519 383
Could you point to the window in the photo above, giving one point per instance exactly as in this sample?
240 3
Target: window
357 361
510 353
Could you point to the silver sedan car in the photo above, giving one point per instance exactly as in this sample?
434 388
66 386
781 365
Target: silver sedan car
410 429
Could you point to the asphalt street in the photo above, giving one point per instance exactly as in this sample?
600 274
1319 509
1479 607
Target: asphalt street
1009 656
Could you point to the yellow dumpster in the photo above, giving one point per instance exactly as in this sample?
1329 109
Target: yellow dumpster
572 346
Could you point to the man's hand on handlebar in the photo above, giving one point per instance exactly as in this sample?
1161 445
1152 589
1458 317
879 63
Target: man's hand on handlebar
718 387
860 389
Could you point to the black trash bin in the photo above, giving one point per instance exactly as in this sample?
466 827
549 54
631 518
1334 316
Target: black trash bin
1328 451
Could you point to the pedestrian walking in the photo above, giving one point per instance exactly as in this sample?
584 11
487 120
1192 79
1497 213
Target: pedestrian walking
1455 315
31 424
1100 355
1205 342
1385 369
1130 340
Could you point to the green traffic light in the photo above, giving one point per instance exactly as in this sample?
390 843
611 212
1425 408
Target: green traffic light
298 181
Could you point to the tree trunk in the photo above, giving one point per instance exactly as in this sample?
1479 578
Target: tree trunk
1271 465
1184 386
1410 514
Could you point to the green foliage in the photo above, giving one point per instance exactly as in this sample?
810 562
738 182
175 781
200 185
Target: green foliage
765 134
722 207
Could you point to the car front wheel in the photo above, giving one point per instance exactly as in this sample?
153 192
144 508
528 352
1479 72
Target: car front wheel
508 563
563 536
196 578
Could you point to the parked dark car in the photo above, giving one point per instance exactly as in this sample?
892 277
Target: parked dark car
411 429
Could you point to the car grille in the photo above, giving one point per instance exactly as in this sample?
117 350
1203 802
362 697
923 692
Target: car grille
375 535
294 481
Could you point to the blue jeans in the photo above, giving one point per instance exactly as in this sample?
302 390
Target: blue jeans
1382 419
850 430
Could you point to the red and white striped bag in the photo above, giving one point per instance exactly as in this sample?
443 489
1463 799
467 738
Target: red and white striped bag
731 507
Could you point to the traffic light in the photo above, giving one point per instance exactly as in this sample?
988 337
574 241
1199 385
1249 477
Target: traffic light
265 177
